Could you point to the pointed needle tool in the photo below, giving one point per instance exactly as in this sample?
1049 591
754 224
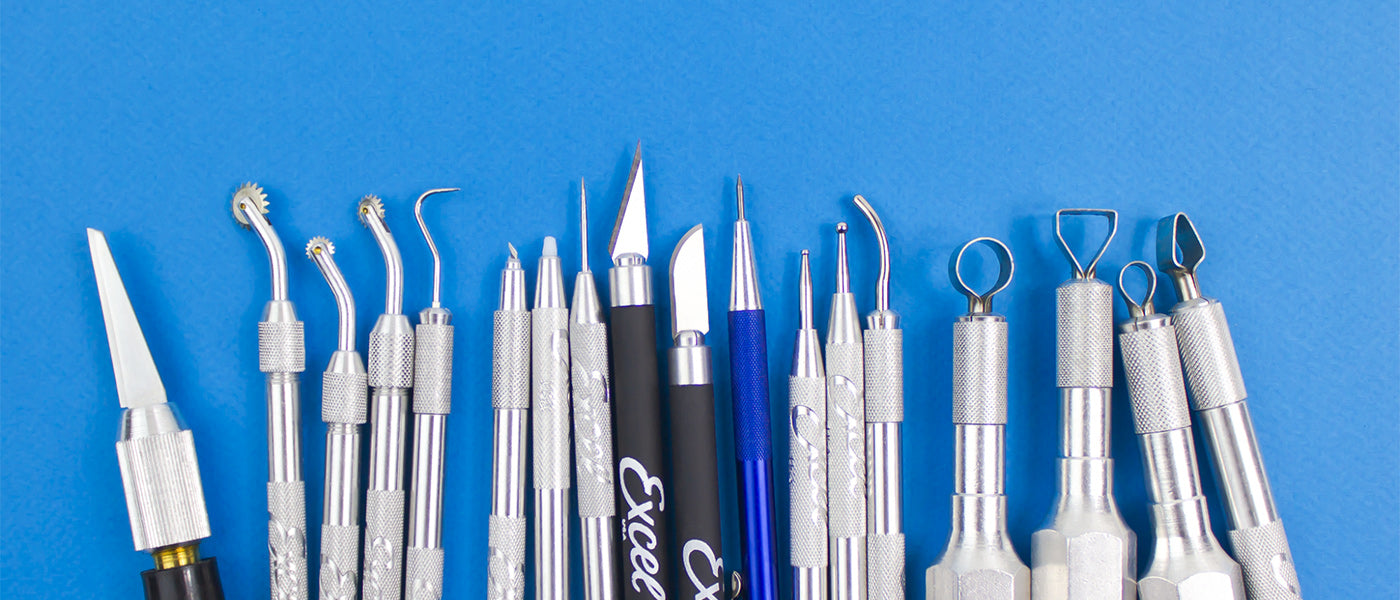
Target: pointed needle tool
845 409
593 434
282 357
807 451
641 468
432 401
391 385
344 400
695 464
549 384
748 370
884 422
510 404
155 450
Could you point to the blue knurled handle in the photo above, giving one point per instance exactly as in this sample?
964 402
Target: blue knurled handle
748 369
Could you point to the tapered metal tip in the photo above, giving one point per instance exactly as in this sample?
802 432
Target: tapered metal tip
138 382
629 235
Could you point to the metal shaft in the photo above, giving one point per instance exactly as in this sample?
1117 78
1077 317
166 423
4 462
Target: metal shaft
549 325
845 463
510 403
807 430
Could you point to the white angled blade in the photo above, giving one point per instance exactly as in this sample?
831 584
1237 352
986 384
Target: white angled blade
138 382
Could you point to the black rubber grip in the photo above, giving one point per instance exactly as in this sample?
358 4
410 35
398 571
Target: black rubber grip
199 581
700 573
645 498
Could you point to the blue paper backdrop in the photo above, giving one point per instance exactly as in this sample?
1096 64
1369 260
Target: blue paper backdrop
1273 125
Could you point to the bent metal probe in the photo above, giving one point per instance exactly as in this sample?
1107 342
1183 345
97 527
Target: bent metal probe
979 562
593 434
391 381
884 422
1084 551
1218 397
160 473
748 368
344 400
282 356
432 401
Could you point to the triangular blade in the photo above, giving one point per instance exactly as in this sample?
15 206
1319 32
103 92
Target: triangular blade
630 234
689 295
138 382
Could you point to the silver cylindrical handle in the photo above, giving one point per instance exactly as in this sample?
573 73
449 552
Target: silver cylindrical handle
1084 334
1208 354
340 562
423 574
592 404
286 539
432 372
510 359
383 569
505 568
807 471
979 370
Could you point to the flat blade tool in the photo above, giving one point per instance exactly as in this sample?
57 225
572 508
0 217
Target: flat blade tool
549 381
807 452
845 443
282 357
748 369
641 470
155 450
510 404
1218 398
1084 551
692 396
979 562
884 423
391 384
432 401
1187 563
344 405
590 383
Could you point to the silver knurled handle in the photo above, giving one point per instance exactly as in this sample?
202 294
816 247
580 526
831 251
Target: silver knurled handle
1154 380
979 372
807 465
1208 355
505 569
885 578
286 539
510 359
550 397
423 577
340 562
432 370
593 438
884 375
281 347
383 556
1084 334
1267 562
845 442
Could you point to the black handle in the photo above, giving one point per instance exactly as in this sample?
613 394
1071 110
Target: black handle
645 498
198 581
700 573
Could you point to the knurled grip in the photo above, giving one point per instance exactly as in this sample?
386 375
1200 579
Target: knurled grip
885 565
1208 355
423 574
344 398
432 369
164 494
505 568
281 347
1267 562
286 539
1084 334
391 353
593 438
1153 371
510 359
383 569
884 376
845 442
807 470
748 368
549 367
340 562
979 372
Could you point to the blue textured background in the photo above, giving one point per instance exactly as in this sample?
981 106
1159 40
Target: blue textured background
1274 125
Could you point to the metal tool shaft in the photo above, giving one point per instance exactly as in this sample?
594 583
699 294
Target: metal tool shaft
806 421
549 326
510 403
1218 396
845 463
